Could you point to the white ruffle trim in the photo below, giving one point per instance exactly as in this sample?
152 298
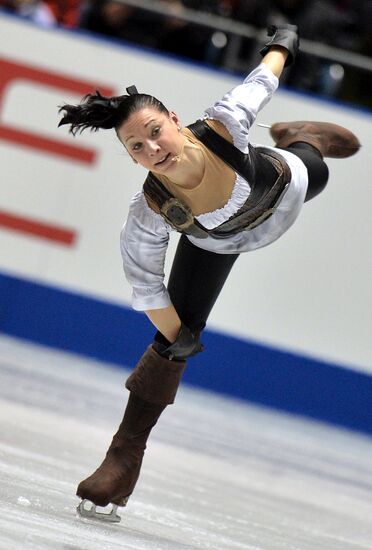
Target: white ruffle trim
238 197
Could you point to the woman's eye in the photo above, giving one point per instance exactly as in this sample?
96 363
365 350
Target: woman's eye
136 147
156 131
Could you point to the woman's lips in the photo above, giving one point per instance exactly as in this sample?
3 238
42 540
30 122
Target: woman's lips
163 161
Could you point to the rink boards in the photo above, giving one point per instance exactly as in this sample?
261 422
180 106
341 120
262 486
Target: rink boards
292 328
229 365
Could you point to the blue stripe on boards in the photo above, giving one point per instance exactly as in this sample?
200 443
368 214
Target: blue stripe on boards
69 321
235 367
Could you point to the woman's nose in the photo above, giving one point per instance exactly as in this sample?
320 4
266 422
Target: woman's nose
153 148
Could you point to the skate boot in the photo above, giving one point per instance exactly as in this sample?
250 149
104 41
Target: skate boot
330 139
153 385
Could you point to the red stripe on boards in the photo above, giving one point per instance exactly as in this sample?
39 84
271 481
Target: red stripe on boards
47 145
37 228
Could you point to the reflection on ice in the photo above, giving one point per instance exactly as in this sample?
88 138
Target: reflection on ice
217 474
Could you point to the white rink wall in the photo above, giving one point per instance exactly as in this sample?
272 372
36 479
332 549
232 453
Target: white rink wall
310 292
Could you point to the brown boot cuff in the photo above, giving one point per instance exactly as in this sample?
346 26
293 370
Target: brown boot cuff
156 379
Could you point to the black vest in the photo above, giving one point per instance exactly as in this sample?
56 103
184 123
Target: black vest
266 172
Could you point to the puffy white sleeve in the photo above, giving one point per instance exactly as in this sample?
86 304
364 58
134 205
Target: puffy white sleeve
143 243
238 108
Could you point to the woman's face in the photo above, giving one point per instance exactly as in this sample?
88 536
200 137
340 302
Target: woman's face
152 139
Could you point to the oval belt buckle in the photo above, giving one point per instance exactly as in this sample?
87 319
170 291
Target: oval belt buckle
177 213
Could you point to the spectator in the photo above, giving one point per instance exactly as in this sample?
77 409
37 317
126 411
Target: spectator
323 21
255 13
115 19
168 34
66 12
182 38
31 9
357 83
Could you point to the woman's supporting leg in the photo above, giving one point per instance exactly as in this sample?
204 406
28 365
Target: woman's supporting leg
153 385
195 282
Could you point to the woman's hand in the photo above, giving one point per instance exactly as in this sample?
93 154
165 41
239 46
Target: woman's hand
184 342
187 344
285 37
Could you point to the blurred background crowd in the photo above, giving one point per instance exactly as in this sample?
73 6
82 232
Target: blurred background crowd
343 24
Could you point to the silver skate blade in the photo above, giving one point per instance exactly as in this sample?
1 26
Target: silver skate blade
91 512
264 125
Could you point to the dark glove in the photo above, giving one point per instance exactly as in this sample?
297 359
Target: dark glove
186 345
285 36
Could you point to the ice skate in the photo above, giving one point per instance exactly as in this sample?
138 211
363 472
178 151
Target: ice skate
330 139
87 509
113 482
153 386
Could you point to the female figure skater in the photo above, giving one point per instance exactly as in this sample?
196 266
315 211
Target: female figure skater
226 197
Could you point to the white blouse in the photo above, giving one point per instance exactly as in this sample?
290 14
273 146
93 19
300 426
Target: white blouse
145 235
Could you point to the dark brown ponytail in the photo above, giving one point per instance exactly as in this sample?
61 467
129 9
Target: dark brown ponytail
99 112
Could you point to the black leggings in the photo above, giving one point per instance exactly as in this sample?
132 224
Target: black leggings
195 281
197 276
317 169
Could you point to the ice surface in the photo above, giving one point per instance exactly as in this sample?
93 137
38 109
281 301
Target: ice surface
218 474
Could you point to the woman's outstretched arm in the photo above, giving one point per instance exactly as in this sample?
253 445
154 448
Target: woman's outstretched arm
275 59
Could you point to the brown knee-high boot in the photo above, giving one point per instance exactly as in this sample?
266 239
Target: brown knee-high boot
153 385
